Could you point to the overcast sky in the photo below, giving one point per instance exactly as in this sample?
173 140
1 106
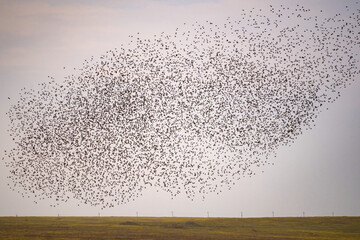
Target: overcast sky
318 174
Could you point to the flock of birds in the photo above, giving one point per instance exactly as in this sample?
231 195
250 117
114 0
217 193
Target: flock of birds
190 112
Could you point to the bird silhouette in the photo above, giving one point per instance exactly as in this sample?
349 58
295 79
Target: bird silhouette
190 112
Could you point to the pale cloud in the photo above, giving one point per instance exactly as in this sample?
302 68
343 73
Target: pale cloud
29 29
185 2
28 18
82 26
38 38
13 54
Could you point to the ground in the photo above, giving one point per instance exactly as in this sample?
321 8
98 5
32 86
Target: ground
300 228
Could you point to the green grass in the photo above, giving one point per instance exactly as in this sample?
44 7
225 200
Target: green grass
302 228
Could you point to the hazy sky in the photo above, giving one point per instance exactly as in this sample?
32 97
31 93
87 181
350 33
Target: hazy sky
318 174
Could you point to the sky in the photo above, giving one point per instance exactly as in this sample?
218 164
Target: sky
317 175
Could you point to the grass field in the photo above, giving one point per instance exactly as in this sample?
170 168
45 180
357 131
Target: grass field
301 228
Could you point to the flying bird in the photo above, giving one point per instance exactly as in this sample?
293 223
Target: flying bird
189 112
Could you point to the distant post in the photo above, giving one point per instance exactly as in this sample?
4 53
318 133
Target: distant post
172 213
241 214
137 214
303 214
333 214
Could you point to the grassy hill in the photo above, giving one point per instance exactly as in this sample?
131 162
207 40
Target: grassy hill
301 228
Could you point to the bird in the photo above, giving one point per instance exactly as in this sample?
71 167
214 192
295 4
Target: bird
191 112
